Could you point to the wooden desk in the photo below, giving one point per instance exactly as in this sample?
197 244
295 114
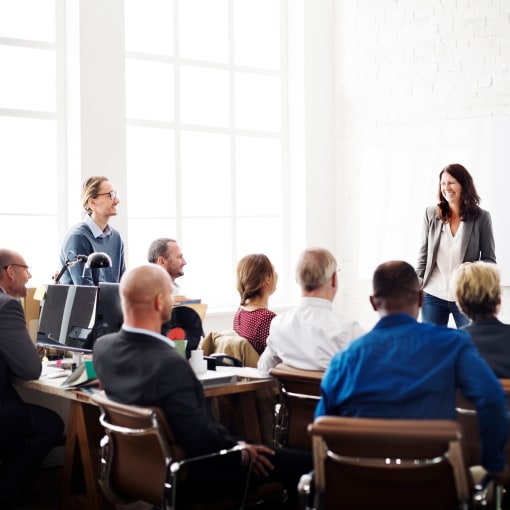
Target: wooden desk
80 489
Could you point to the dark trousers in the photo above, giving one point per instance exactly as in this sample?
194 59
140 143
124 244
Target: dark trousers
224 476
27 434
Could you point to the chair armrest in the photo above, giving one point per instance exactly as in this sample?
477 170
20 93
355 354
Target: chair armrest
305 491
175 468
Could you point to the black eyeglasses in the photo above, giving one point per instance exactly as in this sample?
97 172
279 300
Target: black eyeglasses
113 194
26 268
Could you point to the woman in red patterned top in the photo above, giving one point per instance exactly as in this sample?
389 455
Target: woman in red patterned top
256 281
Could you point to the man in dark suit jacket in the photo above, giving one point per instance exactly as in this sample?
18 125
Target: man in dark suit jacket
27 432
139 366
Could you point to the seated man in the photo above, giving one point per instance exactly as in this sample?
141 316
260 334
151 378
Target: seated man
477 290
27 432
310 334
139 366
167 253
406 369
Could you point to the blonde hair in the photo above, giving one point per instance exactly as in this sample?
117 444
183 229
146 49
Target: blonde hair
90 189
252 271
477 289
315 267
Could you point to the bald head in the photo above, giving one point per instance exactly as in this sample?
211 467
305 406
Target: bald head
396 289
14 273
146 296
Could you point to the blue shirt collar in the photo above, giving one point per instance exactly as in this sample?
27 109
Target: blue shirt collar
96 231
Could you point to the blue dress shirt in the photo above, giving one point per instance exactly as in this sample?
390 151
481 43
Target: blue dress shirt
406 369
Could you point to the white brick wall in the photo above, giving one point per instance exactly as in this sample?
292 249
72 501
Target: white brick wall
405 71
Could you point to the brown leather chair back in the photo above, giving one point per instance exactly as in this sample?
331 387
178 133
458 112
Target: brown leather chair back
466 416
300 393
136 452
388 464
141 461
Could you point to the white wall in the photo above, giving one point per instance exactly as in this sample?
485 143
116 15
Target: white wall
410 78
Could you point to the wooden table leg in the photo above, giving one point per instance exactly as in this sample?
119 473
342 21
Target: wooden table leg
80 490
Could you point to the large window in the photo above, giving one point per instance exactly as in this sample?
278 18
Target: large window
29 132
206 136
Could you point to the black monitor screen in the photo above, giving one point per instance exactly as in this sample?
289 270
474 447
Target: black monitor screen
82 317
109 308
52 312
68 316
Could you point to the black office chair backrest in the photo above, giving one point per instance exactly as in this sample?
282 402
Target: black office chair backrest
187 319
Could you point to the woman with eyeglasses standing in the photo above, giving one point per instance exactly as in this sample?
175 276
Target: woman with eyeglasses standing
94 234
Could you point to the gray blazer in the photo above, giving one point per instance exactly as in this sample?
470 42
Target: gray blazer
477 241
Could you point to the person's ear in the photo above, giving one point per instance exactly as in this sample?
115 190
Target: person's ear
373 303
158 302
334 280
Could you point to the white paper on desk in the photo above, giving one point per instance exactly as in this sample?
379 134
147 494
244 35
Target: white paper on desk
250 372
213 378
52 372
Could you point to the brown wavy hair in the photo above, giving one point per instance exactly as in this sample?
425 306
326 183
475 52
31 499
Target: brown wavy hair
252 271
469 200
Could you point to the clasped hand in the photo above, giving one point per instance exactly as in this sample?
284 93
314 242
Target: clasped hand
261 464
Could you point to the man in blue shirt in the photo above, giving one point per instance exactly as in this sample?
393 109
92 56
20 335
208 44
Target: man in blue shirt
406 369
94 234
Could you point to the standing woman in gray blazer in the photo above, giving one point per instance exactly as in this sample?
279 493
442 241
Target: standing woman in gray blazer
457 230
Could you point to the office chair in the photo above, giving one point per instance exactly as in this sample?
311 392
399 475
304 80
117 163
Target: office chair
388 464
189 320
230 343
141 461
299 392
467 417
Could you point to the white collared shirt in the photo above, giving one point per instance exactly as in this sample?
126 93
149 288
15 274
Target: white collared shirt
447 261
142 331
307 336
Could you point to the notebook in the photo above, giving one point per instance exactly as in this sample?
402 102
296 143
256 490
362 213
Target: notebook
213 378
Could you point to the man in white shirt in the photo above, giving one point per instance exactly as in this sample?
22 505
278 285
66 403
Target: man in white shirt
310 334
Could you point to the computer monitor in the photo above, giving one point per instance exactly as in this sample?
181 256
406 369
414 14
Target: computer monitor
109 308
52 312
68 317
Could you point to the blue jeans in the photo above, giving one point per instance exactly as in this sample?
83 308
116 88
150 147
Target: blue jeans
437 311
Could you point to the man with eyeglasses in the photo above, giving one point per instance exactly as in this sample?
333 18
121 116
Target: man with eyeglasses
94 234
27 431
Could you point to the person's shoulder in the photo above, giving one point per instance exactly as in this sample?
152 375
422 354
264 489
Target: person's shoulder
7 301
483 215
267 313
456 336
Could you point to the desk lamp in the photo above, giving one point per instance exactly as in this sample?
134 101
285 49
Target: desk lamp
95 260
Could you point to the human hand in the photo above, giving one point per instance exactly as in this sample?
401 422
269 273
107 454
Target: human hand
261 464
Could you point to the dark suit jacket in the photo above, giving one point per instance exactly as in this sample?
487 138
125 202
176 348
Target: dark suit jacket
141 369
18 358
492 339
